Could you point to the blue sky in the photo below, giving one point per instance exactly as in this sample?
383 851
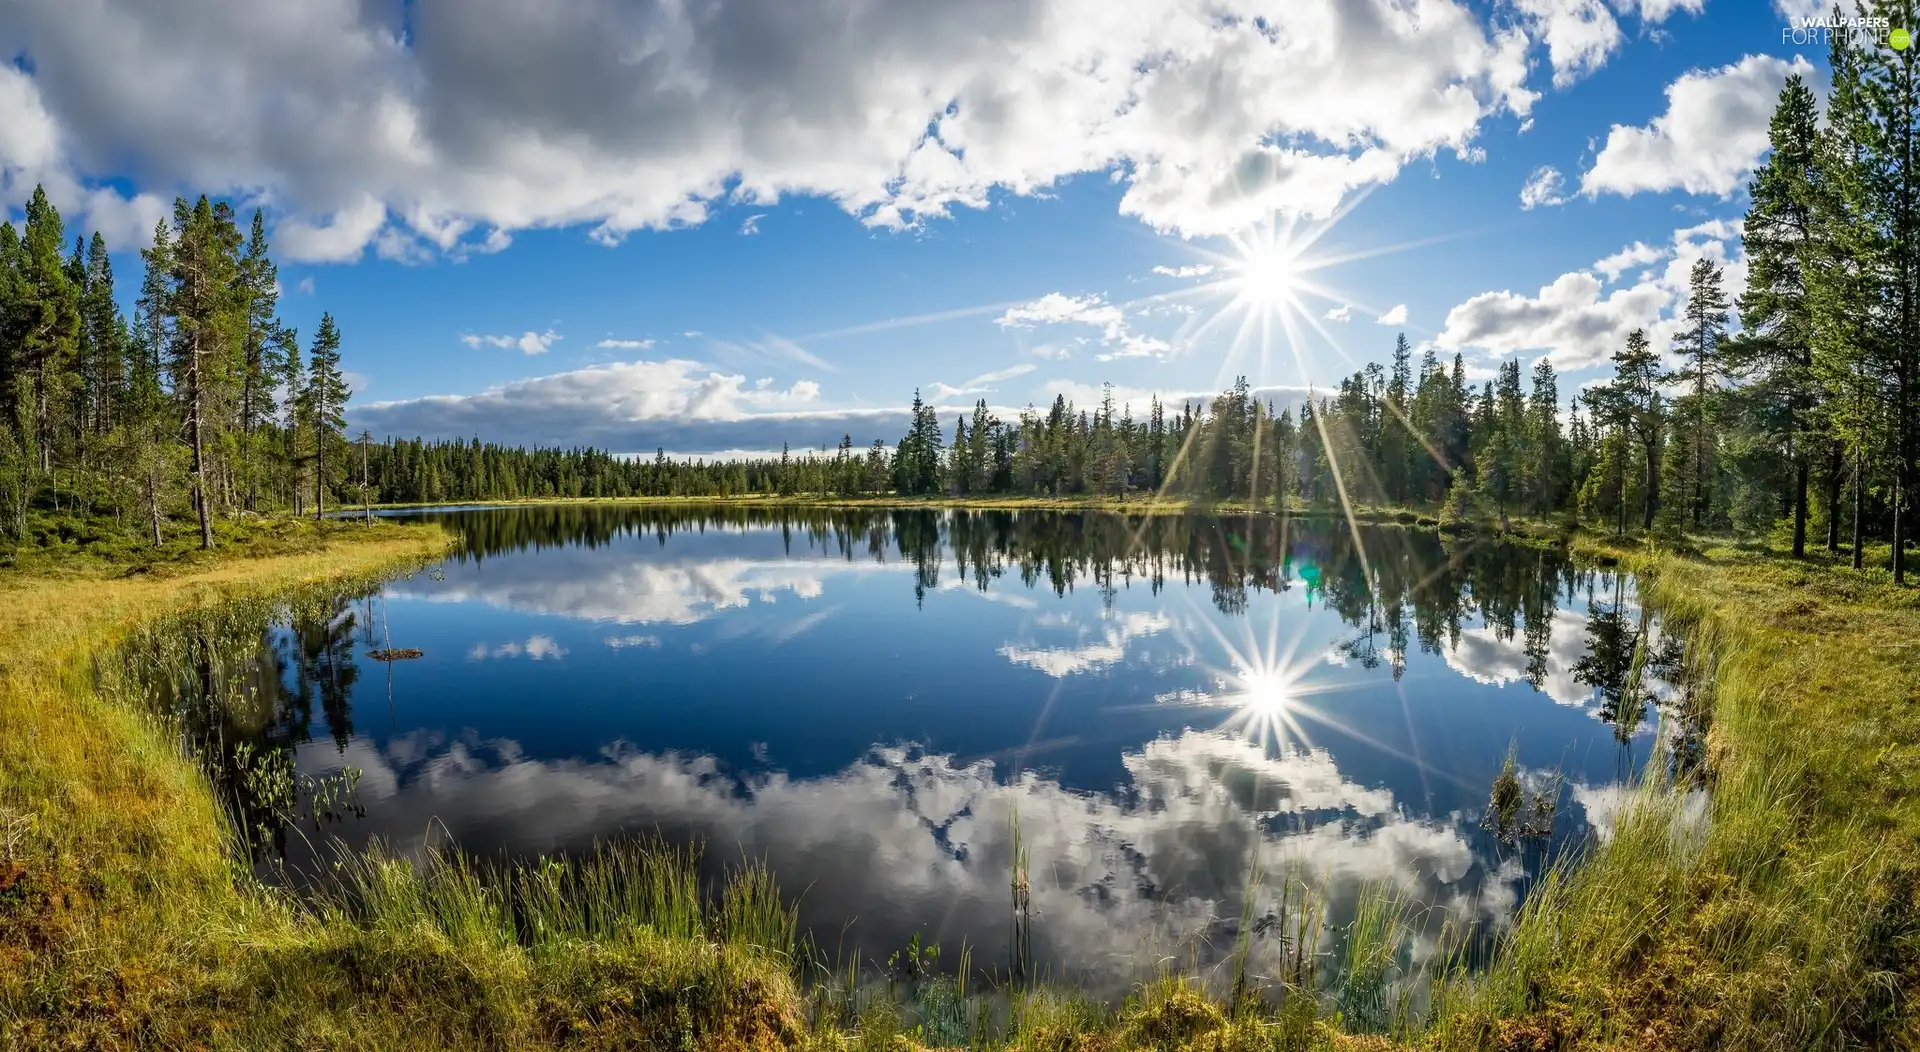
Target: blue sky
725 224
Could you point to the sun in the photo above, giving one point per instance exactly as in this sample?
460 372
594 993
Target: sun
1263 692
1268 274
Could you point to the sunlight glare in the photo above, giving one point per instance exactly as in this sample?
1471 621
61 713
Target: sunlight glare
1264 692
1269 274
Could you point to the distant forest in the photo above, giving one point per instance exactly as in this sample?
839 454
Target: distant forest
205 405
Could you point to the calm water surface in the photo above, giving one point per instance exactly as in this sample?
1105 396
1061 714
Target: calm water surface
866 699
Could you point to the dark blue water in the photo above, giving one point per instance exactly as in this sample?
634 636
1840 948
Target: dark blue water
866 699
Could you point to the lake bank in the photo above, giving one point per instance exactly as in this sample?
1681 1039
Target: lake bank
1780 909
191 960
114 857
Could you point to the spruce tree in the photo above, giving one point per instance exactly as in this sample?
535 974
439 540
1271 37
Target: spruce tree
106 339
1784 254
48 306
326 396
260 288
207 327
1699 348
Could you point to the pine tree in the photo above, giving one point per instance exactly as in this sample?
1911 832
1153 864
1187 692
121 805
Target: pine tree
106 367
1784 249
1550 474
326 397
48 307
207 328
1699 347
1397 439
1634 408
259 286
296 411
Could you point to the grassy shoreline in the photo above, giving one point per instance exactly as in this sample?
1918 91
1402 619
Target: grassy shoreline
1790 920
1781 909
111 842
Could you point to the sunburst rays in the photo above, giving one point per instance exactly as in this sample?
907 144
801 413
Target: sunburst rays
1268 295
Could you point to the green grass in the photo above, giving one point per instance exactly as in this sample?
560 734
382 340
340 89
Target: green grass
1779 911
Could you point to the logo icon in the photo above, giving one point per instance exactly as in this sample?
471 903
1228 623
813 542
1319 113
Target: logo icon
1899 39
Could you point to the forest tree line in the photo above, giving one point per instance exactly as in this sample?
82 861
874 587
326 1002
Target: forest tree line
1803 417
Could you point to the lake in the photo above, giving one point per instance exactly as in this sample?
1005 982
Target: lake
867 699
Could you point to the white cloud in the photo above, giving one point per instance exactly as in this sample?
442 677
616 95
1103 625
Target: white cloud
1197 270
1155 865
1578 322
525 343
631 642
36 150
1089 656
1659 10
634 406
306 285
1055 308
538 648
1638 254
1546 186
1579 34
1341 313
341 238
752 224
1136 345
978 385
1711 230
465 123
1058 309
1569 318
624 345
1481 654
1713 132
639 591
1395 316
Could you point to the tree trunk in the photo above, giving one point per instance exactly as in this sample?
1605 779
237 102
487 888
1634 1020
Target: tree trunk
41 427
200 495
153 502
1699 508
1833 500
1620 485
247 412
1653 488
1900 518
319 476
1800 507
1859 505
